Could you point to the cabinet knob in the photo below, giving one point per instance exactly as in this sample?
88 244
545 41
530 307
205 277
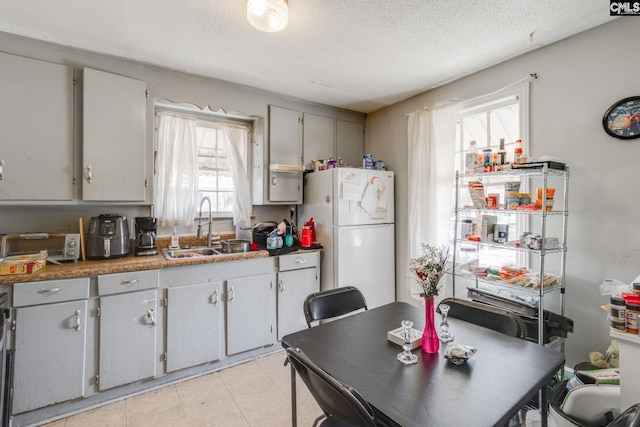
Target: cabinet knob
78 326
150 316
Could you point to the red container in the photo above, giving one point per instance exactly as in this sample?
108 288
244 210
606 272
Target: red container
305 238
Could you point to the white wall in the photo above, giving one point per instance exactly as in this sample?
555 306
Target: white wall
579 78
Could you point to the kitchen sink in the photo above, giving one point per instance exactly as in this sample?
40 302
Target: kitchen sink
207 252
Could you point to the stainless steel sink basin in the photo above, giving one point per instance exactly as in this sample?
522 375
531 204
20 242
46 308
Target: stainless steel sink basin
207 252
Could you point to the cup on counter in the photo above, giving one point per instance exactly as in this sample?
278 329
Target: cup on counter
305 237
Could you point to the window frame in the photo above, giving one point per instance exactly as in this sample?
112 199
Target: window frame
212 120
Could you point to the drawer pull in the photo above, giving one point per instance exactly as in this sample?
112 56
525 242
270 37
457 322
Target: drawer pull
281 285
49 291
300 260
231 294
78 326
150 314
214 297
129 282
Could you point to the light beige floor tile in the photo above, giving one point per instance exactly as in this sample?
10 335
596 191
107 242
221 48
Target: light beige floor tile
112 415
158 408
244 376
59 423
220 410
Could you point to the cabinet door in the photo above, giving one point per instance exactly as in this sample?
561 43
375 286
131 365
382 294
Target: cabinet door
284 148
114 137
293 288
193 325
127 338
36 118
318 137
248 310
350 142
50 344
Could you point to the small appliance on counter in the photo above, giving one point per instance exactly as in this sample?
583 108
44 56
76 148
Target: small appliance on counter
59 247
146 236
108 237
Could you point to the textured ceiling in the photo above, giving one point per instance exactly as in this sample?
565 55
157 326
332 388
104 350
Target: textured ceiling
356 54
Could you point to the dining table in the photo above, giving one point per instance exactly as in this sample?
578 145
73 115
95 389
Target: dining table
504 375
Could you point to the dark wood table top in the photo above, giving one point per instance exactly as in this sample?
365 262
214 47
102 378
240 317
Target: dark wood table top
503 375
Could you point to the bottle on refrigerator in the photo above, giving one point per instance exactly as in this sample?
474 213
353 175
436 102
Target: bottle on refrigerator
471 158
517 153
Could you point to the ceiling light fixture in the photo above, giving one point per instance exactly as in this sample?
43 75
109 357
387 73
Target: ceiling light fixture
268 15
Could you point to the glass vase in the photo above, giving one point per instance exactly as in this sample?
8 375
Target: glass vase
430 339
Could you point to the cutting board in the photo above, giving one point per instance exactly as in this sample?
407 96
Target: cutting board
82 245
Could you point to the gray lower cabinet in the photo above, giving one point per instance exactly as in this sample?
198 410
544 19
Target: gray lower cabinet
127 338
128 327
248 313
194 318
298 276
50 342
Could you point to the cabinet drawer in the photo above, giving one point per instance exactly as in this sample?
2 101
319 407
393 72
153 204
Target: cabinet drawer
124 282
49 291
298 261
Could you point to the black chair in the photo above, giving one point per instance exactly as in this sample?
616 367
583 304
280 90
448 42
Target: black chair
342 405
486 315
336 302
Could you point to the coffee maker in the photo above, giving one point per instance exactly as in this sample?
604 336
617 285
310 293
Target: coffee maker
146 236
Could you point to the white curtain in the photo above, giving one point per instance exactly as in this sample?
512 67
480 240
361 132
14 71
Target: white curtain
431 139
235 140
177 166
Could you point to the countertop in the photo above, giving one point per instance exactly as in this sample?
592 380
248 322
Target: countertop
120 265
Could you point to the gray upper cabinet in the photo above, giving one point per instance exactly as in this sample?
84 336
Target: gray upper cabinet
285 149
36 118
114 142
350 142
318 139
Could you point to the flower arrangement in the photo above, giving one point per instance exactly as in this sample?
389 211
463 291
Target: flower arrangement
429 268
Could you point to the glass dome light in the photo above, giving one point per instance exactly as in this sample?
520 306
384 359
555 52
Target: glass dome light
268 15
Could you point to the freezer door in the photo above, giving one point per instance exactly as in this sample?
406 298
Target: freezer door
363 196
364 257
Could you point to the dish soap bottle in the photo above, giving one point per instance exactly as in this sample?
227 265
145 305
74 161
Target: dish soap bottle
175 240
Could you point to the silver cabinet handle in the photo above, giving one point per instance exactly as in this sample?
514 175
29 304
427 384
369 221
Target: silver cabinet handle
89 174
1 173
49 291
129 282
300 260
281 285
274 180
214 297
231 294
78 326
150 314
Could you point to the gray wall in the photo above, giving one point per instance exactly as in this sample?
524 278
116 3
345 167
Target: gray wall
161 83
579 78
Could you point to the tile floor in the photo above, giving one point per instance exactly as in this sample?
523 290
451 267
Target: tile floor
255 393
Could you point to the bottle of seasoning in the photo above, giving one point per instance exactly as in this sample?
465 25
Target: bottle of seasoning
502 153
488 165
517 153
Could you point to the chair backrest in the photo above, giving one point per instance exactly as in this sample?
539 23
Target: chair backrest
339 402
333 303
587 405
486 315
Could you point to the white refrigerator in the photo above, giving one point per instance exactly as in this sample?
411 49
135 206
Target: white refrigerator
353 213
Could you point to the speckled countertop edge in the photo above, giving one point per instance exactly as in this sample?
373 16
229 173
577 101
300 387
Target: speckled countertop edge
120 265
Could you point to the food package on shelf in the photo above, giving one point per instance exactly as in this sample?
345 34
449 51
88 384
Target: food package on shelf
476 191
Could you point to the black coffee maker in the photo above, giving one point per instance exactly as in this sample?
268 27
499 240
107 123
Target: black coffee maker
146 236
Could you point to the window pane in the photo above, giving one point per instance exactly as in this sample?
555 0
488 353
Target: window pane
504 124
207 181
225 201
475 127
225 182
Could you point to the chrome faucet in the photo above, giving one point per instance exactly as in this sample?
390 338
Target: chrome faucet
200 224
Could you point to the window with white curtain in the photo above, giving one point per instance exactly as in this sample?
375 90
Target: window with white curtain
208 159
487 119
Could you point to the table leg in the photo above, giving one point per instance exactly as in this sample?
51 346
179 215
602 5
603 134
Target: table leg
294 411
544 407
